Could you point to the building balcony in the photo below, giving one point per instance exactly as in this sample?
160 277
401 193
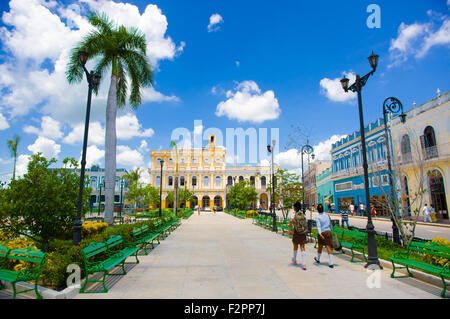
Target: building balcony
436 152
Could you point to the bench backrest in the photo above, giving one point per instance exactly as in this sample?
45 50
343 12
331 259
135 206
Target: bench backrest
94 249
4 251
430 248
114 241
355 234
30 254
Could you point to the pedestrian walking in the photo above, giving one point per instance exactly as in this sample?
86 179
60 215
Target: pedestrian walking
374 212
344 217
298 222
362 209
433 214
426 214
198 209
323 223
352 209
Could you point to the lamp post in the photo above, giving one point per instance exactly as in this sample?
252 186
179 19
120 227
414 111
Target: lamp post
393 106
102 184
160 188
121 199
93 81
272 206
357 87
308 149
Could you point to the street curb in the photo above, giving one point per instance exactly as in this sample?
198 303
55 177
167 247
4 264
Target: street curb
417 274
388 220
46 293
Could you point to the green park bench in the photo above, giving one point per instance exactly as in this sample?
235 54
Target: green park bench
162 227
358 241
351 239
101 257
29 255
433 249
143 236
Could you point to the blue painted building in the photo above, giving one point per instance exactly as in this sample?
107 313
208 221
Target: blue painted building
348 175
325 189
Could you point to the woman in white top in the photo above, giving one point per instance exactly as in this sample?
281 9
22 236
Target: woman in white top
323 223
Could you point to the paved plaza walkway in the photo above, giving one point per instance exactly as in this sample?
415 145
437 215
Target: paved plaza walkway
220 256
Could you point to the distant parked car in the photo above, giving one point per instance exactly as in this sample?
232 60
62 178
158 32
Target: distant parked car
218 208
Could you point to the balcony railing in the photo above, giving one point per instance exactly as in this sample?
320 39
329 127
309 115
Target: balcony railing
440 151
430 152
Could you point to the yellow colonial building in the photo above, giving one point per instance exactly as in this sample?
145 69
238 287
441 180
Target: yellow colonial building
421 148
206 174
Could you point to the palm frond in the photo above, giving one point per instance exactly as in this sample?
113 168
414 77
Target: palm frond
122 84
101 22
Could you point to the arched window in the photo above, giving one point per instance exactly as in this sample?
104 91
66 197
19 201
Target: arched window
206 162
182 162
218 180
158 181
206 181
217 161
405 145
182 181
158 161
252 180
194 180
229 180
241 178
170 181
430 137
170 161
428 141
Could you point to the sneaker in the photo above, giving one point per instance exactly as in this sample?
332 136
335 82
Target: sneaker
294 262
331 266
304 267
316 260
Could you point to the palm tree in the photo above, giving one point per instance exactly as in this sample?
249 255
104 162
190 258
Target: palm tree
12 145
124 51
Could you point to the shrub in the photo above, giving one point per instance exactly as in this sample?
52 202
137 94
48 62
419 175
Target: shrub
252 213
436 260
18 243
92 228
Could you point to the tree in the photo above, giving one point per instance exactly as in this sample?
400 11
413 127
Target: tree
288 190
416 198
12 145
241 195
184 195
124 51
151 195
42 205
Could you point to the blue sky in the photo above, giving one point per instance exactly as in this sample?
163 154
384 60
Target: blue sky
262 65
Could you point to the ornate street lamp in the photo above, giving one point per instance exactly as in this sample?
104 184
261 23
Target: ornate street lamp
93 81
160 188
393 106
357 87
122 182
306 149
272 205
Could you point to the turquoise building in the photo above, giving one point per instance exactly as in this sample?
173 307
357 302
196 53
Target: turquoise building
325 188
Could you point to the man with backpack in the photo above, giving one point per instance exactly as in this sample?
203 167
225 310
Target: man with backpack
298 222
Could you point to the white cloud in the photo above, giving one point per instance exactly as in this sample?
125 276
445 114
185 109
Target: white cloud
38 42
128 127
96 134
322 150
214 21
237 63
332 88
22 165
291 159
418 38
143 148
50 128
247 103
129 157
47 147
94 156
3 122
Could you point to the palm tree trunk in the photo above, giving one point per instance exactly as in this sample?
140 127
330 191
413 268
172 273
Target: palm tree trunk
110 151
14 169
